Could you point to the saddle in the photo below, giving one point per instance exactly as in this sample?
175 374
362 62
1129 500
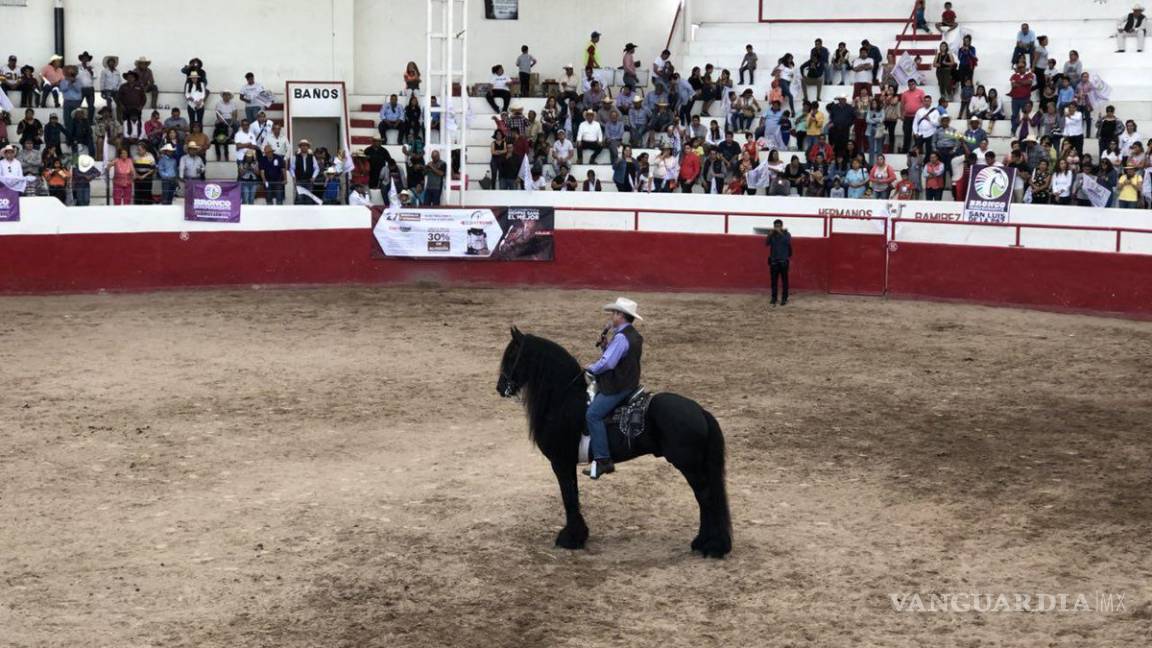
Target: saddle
629 419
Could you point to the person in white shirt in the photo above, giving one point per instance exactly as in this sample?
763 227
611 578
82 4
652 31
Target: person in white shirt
278 141
1133 24
260 130
1129 137
244 141
1074 128
561 150
536 181
499 89
925 123
569 86
360 196
255 96
11 171
862 73
589 136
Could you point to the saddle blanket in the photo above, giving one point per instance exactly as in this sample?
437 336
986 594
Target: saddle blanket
627 420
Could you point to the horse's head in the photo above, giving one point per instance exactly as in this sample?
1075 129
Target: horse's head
513 373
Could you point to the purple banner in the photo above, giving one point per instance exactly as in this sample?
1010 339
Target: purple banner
9 204
212 201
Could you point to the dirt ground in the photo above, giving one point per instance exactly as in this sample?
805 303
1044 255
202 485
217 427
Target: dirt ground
333 467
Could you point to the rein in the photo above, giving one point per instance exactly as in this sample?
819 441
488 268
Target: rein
512 387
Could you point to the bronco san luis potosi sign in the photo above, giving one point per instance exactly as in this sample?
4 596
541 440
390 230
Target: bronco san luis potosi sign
989 194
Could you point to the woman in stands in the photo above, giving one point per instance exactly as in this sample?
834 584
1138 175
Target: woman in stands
499 151
1061 183
882 177
945 64
1043 183
123 176
893 114
56 177
934 178
550 117
857 180
144 165
994 112
874 122
1074 127
195 94
412 78
414 119
1128 137
1106 176
785 70
499 89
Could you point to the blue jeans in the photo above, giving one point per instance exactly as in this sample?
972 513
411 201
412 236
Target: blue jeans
601 407
251 112
1017 106
168 190
274 193
248 192
81 195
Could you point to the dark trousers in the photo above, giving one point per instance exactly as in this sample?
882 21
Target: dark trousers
595 147
89 97
908 133
838 137
751 75
525 83
779 273
504 96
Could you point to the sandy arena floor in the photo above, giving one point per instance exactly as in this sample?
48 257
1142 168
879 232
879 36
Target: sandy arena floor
333 467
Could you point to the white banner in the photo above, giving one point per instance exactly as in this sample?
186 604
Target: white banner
440 233
1097 193
315 99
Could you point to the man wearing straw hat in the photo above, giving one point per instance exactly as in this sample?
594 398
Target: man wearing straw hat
1132 25
617 375
147 79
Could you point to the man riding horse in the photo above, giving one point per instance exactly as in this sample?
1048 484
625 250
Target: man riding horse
617 375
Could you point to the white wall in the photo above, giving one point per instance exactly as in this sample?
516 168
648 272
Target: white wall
277 40
363 42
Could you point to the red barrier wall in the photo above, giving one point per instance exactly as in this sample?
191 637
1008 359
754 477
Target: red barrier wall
1120 283
584 258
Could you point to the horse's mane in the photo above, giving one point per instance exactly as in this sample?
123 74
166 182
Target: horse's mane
553 394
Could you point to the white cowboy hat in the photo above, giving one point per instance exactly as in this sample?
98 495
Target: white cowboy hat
624 305
85 163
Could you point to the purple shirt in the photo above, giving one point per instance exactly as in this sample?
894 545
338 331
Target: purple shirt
612 355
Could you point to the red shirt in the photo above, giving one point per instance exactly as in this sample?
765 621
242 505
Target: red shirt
911 101
689 166
948 17
905 190
752 150
1021 85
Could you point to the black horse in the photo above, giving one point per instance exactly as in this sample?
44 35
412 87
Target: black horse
551 383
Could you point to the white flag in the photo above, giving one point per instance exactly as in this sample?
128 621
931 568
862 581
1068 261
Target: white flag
393 197
301 191
5 102
526 174
1097 193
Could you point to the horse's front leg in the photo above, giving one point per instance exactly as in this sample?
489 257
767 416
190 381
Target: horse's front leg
575 531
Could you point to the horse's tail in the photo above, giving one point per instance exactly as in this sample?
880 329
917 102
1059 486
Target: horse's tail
717 491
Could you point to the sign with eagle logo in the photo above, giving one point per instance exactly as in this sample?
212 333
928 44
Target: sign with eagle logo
989 194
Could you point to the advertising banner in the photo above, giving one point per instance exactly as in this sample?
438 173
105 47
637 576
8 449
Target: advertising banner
501 234
502 9
212 201
9 204
989 194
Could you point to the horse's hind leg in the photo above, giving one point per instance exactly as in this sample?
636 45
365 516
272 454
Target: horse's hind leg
698 480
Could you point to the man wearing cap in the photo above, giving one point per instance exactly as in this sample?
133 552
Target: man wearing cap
11 75
51 75
617 376
304 170
1132 25
255 96
590 59
147 80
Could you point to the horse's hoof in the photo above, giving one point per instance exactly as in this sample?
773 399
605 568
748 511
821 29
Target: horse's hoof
697 544
571 540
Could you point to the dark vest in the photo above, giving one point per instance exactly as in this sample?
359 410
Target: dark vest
305 165
1133 22
626 376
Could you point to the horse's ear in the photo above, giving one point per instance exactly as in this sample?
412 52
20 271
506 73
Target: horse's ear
516 334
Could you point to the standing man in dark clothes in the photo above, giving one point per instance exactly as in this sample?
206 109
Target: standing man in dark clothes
378 158
779 244
875 55
841 117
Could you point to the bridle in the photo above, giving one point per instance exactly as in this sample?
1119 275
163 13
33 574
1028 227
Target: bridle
510 386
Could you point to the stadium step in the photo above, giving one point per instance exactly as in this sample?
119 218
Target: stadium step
912 51
918 37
